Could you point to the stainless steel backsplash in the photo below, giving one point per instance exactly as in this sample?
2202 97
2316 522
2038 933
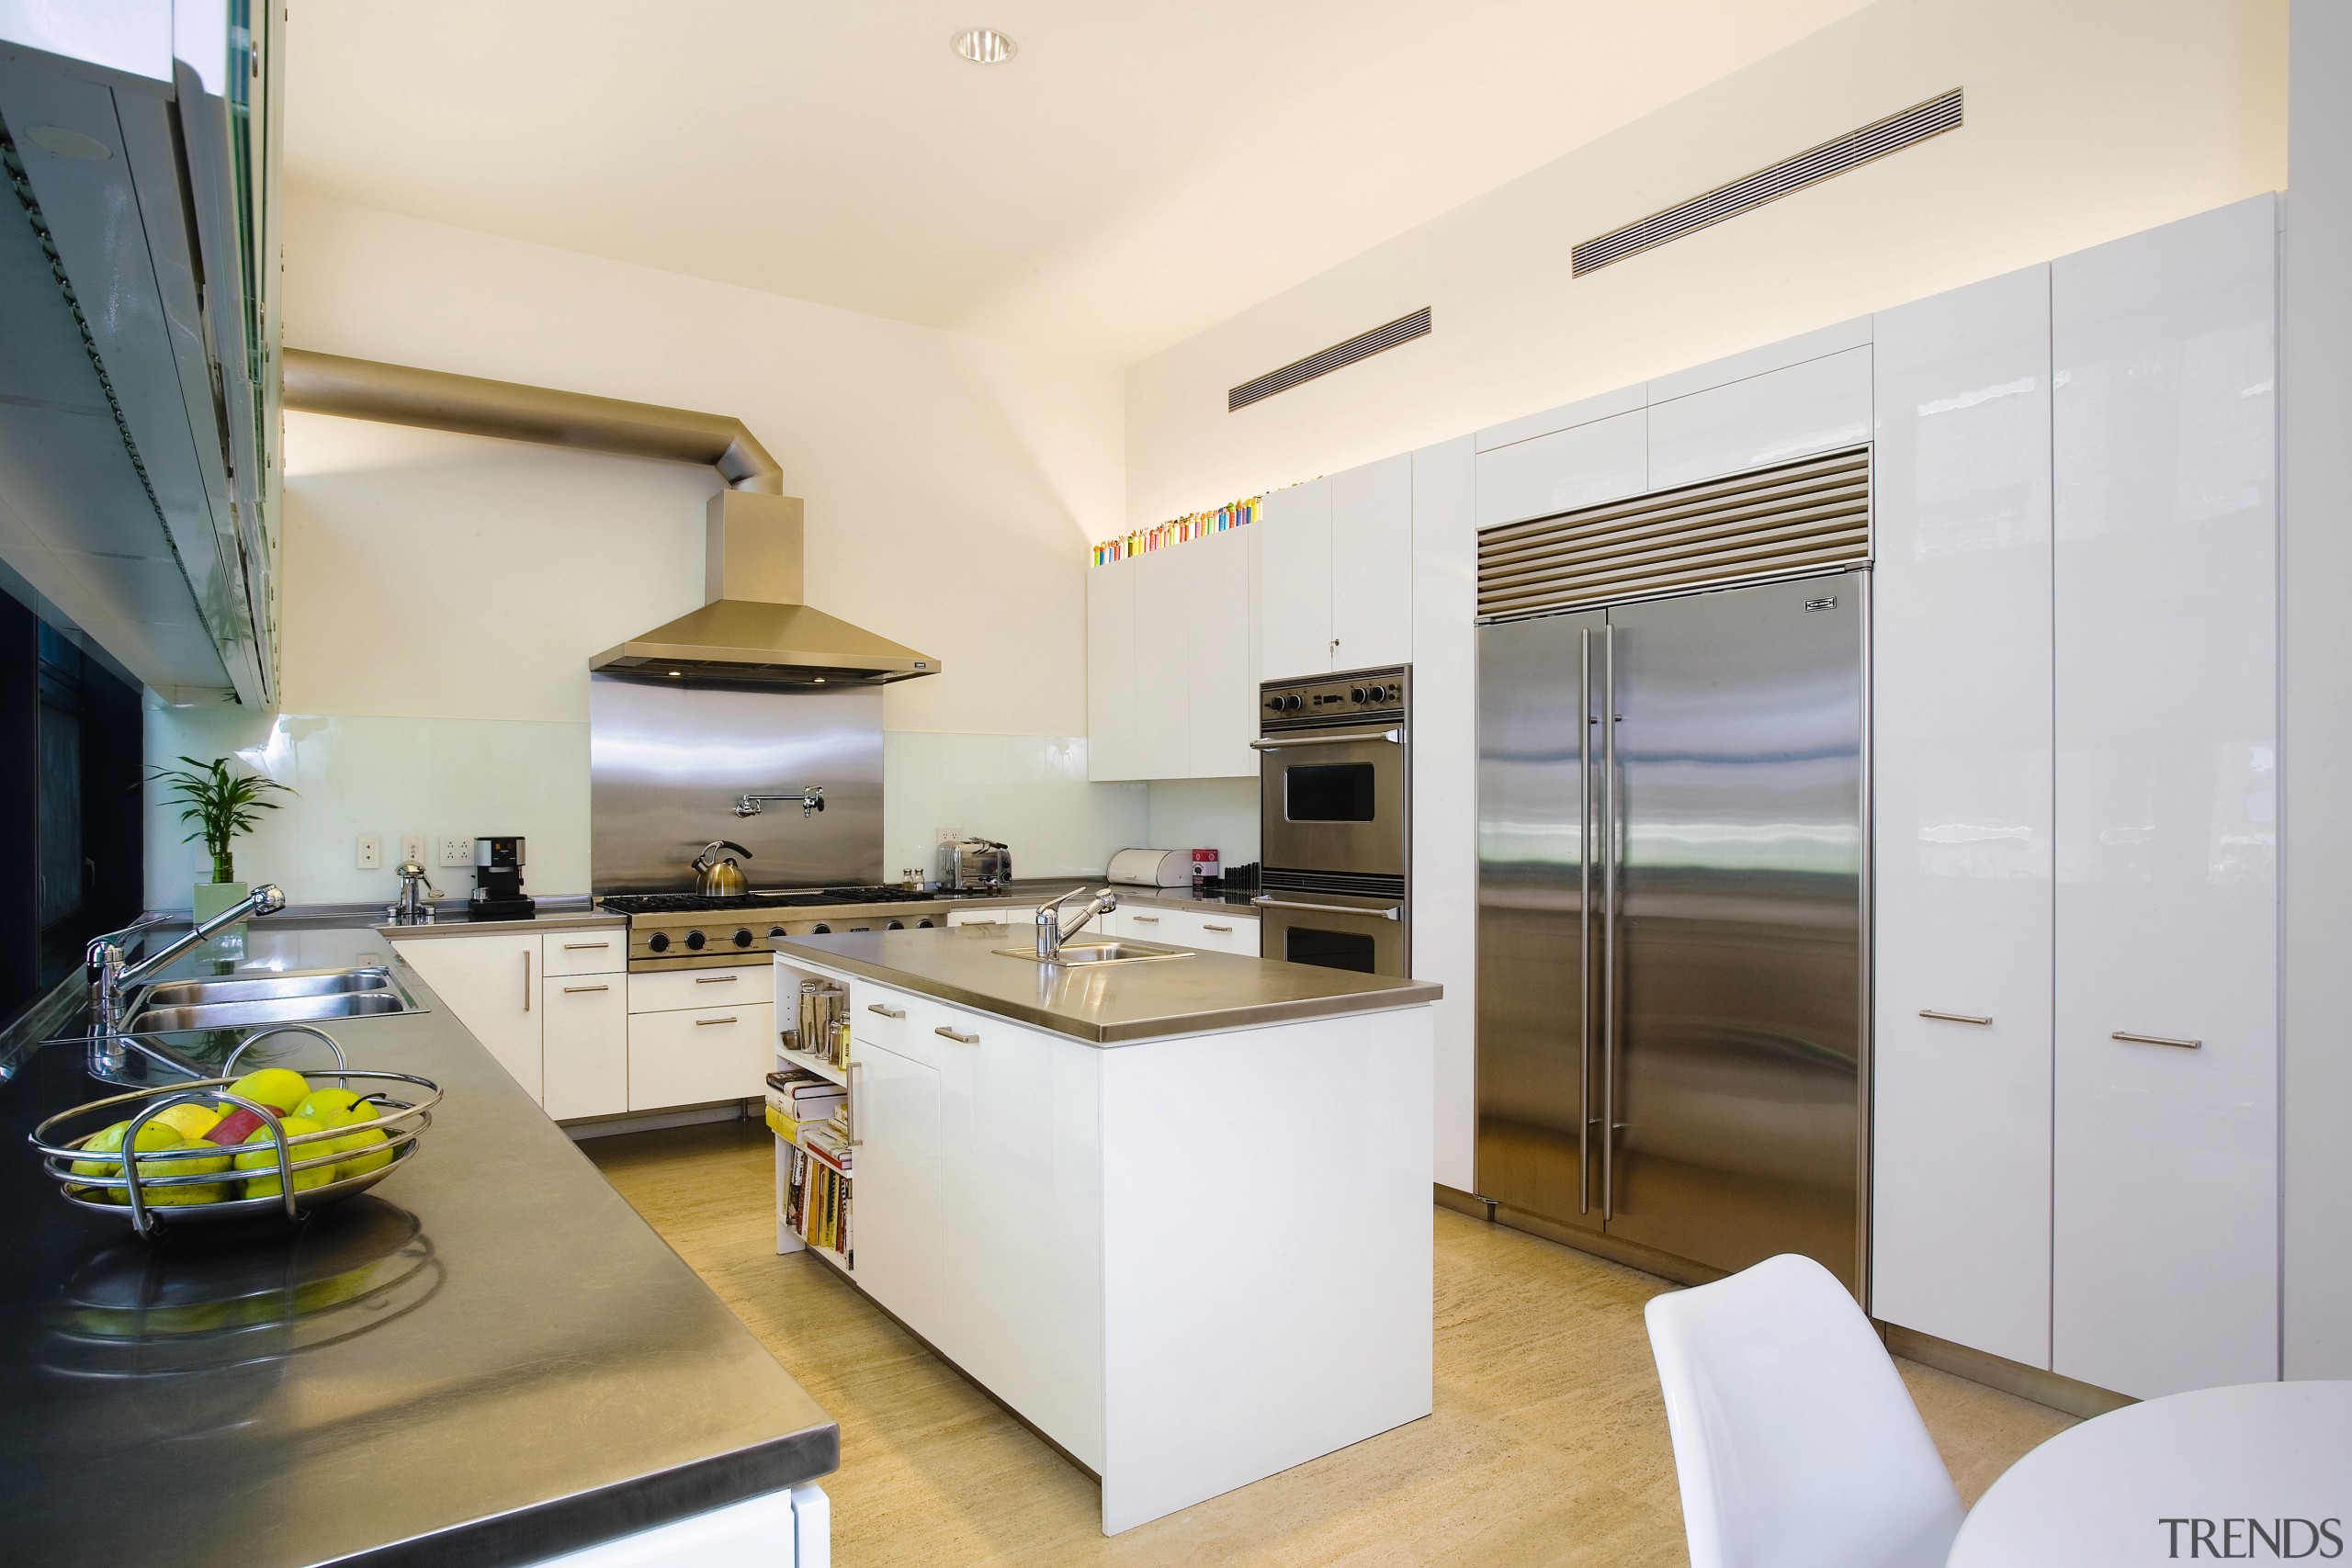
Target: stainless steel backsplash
666 764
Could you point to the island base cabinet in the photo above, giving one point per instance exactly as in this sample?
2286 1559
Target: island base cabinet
895 1189
700 1057
788 1528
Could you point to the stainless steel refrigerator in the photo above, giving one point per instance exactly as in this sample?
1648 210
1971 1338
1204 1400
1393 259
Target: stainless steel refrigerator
1671 925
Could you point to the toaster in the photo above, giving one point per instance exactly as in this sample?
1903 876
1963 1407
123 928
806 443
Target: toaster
967 866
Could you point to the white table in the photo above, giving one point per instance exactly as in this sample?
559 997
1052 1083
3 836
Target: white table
2220 1462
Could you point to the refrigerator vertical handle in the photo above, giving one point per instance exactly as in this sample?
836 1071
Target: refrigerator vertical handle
1609 811
1584 921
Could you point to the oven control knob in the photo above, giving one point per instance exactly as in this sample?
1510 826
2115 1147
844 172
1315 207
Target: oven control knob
895 926
694 941
742 939
924 924
1358 694
658 942
1292 701
777 930
1273 704
821 927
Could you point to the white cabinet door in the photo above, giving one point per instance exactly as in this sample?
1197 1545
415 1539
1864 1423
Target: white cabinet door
1021 1205
1372 565
893 1186
1113 722
1161 730
1817 406
699 1057
1961 690
1445 786
1221 620
583 1031
2166 1194
492 982
1294 582
1582 465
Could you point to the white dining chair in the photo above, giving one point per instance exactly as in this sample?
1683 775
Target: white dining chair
1796 1443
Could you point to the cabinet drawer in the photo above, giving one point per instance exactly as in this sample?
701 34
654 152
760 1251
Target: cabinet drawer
993 916
699 1055
1215 932
585 952
879 1016
701 988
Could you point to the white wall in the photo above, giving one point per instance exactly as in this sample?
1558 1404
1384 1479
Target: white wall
1205 814
2087 120
442 593
2316 583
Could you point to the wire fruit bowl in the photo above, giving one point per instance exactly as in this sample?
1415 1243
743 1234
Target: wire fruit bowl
144 1186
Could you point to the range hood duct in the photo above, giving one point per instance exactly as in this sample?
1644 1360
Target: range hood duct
754 630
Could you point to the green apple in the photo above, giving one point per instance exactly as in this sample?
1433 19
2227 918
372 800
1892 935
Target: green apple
280 1089
327 1107
363 1151
260 1153
153 1138
193 1192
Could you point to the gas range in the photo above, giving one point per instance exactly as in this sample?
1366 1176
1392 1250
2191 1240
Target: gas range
696 930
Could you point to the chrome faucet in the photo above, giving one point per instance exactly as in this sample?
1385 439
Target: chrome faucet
115 975
1051 930
810 799
411 908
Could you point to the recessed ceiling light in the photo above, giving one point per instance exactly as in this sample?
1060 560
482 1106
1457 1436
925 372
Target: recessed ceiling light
984 46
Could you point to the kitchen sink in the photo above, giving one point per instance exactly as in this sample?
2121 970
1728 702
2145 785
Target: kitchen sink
268 987
1076 954
282 1009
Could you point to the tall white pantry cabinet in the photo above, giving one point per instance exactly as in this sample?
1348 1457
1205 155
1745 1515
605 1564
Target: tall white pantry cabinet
2075 701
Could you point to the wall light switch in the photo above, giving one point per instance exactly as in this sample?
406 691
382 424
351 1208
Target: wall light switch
457 852
413 847
371 852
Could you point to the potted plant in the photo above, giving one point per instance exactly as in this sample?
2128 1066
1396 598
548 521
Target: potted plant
222 805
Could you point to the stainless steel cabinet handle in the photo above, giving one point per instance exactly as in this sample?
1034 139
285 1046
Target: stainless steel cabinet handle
1227 930
1327 738
2155 1040
849 1075
886 1013
1953 1017
707 1023
568 990
527 979
1393 911
583 946
716 979
1584 921
959 1039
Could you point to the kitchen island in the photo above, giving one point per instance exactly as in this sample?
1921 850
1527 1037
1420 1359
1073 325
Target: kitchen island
1174 1213
488 1359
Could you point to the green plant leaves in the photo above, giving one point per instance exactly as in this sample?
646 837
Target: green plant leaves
222 805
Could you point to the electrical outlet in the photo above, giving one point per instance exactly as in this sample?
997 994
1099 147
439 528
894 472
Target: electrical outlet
371 852
946 836
457 852
413 847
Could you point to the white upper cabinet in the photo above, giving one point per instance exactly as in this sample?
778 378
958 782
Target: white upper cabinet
1372 565
2166 1209
1164 596
1114 722
1295 572
1171 685
1583 464
1818 405
1961 684
1221 666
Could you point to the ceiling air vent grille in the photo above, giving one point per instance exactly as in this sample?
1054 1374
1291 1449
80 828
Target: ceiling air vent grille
1404 329
1850 151
1781 522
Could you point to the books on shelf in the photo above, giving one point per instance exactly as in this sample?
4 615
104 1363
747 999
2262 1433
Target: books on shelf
817 1204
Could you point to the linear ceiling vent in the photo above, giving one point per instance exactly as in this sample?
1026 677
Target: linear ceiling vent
1828 161
1404 329
1810 515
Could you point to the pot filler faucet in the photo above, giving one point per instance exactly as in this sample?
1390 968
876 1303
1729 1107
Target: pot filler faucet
1052 933
810 799
115 976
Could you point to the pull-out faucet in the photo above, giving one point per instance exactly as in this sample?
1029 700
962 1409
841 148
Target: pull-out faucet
1051 930
114 976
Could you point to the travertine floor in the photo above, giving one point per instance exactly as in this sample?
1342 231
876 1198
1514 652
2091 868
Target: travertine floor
1548 1444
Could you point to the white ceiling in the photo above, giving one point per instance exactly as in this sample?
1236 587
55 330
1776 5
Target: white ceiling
1134 175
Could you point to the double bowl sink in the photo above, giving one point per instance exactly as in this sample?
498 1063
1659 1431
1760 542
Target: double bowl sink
235 1001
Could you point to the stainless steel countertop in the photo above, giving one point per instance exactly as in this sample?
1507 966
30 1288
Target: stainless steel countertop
527 1368
1113 1004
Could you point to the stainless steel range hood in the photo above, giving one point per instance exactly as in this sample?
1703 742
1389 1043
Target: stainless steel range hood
754 630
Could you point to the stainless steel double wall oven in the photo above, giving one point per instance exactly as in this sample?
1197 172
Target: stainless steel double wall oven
1334 809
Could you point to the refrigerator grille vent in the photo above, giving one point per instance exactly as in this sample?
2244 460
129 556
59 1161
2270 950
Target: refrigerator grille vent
1852 149
1801 516
1363 345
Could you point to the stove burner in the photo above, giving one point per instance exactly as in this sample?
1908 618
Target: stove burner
780 898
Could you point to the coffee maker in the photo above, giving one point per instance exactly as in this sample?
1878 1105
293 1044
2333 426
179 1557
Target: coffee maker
498 882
